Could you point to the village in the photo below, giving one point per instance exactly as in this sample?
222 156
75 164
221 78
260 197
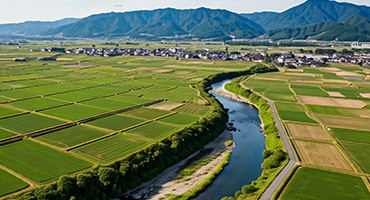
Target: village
311 59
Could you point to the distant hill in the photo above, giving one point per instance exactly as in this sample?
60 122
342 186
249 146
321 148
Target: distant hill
31 28
260 17
327 31
311 12
192 23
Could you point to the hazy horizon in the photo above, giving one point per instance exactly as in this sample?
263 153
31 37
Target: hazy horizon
40 10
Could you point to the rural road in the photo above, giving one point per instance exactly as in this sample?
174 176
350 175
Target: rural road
270 191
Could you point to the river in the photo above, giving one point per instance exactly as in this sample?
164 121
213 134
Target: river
246 159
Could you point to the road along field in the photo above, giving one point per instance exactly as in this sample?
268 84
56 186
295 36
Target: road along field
327 119
63 117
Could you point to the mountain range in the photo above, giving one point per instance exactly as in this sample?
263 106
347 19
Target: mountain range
313 19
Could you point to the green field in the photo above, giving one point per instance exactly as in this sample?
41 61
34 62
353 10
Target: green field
116 122
112 148
295 116
360 153
154 130
74 112
313 184
10 183
129 99
37 103
352 135
4 111
5 134
28 122
71 136
290 106
180 119
108 104
193 109
147 113
37 162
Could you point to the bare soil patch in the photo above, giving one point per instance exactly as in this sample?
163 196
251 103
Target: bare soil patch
307 132
64 59
166 106
335 94
365 95
344 73
294 70
344 122
324 101
321 154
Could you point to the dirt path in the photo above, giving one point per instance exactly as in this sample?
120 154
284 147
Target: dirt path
165 185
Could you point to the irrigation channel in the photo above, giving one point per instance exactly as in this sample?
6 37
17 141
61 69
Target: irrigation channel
246 159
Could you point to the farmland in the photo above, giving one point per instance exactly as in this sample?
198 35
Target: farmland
79 112
327 119
327 185
11 184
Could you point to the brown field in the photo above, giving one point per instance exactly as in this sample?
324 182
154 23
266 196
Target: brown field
64 59
307 132
324 101
166 106
344 122
294 70
330 69
321 154
335 94
344 73
365 95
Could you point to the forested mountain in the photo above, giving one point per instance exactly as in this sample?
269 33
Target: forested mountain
311 12
33 27
327 31
260 17
194 23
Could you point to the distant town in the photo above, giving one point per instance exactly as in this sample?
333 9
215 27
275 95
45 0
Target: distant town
305 58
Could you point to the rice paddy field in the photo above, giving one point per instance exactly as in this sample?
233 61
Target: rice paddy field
57 120
328 121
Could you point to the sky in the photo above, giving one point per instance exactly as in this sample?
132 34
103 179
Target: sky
13 11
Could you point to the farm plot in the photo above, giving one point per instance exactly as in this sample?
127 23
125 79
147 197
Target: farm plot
28 122
36 103
180 119
194 109
295 116
310 184
323 101
308 90
321 154
10 183
74 112
146 113
349 112
116 122
290 106
108 104
360 153
134 100
71 136
5 134
16 94
345 91
154 130
166 105
344 122
73 96
335 94
311 132
37 162
49 89
112 148
5 111
352 135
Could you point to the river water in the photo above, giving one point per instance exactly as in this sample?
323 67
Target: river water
246 159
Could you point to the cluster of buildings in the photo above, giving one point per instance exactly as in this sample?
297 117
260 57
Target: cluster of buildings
312 60
290 60
177 52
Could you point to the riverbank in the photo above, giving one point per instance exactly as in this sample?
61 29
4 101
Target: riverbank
166 185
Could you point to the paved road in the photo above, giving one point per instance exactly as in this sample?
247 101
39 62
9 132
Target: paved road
270 191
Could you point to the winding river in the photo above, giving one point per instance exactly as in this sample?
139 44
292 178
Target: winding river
246 159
